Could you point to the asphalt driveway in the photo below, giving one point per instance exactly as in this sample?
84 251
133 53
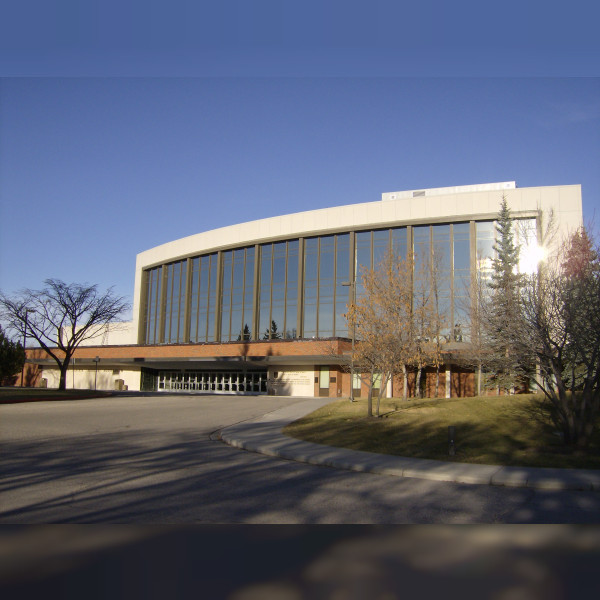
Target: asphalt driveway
152 460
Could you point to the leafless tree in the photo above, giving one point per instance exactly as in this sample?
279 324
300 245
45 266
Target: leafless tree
440 326
382 318
426 319
475 349
61 316
561 315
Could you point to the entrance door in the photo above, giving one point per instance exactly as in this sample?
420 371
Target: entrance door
324 382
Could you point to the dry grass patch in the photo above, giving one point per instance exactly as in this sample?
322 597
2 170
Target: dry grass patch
500 430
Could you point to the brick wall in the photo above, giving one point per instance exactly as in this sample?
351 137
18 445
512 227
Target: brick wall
256 349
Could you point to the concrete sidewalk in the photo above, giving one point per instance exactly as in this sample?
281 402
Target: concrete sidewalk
264 435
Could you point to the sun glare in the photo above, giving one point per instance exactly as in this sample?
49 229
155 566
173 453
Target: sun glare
530 258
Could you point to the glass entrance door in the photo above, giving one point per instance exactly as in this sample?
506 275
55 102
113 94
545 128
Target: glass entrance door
216 382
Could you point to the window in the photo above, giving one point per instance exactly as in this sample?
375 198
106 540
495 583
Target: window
278 301
153 301
203 298
324 378
376 381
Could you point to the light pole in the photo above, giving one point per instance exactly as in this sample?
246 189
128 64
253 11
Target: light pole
24 345
96 360
352 286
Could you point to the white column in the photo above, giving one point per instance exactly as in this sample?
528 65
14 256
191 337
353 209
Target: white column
448 381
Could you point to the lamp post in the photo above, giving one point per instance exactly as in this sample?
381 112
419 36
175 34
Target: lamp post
96 360
352 286
24 345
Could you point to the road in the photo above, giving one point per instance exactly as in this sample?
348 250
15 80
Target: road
144 461
151 460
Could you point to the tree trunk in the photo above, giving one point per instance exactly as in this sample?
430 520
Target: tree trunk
418 382
437 380
404 383
382 388
370 398
62 384
479 379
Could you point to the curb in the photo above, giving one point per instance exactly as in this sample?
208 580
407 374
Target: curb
264 436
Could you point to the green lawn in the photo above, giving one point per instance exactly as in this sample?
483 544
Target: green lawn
500 430
16 395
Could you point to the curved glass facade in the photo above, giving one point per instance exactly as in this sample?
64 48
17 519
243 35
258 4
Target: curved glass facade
299 288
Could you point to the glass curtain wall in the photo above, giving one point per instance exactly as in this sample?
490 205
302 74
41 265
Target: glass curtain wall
326 267
399 241
311 286
364 258
237 294
484 248
443 272
153 303
203 298
342 292
441 280
526 237
278 291
461 280
175 284
224 289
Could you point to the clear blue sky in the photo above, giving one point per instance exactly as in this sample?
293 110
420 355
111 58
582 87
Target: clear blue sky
94 170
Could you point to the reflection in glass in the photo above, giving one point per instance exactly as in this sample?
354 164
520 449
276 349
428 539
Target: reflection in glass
381 246
399 242
203 298
343 275
530 254
326 264
311 281
485 240
153 295
461 281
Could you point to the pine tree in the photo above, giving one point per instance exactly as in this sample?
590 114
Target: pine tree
580 255
504 329
12 357
246 335
272 333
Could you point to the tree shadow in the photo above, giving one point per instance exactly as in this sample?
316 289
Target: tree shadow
302 562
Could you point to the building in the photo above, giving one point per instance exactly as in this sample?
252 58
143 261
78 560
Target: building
259 307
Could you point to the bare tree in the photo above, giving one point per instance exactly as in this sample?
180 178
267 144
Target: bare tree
425 318
382 317
439 282
474 352
561 315
61 316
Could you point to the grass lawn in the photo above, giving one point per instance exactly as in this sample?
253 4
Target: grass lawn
494 430
14 395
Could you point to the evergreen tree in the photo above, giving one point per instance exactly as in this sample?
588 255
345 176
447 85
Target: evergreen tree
272 333
246 335
12 357
503 321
